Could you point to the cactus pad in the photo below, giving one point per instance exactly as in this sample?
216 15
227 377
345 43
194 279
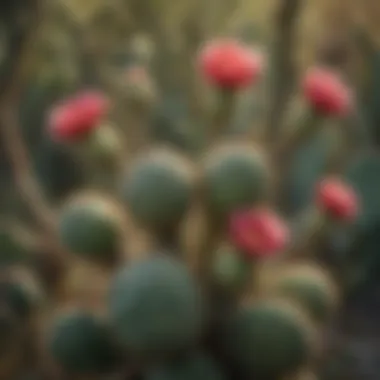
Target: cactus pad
80 344
268 339
158 190
235 176
310 286
91 226
155 306
197 366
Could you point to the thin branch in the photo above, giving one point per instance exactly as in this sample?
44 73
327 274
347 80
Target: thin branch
22 234
283 70
21 31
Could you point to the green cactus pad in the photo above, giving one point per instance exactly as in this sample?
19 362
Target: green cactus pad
235 176
80 343
195 367
90 226
268 339
155 306
310 287
158 190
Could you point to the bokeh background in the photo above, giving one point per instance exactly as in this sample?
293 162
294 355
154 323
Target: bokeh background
103 43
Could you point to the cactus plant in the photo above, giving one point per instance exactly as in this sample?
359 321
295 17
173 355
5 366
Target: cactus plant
268 339
81 344
308 285
91 226
172 179
155 306
197 249
235 176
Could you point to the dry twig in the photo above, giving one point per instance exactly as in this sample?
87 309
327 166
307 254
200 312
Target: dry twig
21 31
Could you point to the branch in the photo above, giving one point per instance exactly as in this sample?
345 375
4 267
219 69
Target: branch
283 70
22 234
20 29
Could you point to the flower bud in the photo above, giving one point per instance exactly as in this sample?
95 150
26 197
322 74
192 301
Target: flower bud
337 199
75 118
326 92
258 232
229 64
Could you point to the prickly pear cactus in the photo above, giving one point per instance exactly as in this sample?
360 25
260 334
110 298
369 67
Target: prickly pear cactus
158 189
183 221
81 344
268 339
308 285
235 176
155 306
91 226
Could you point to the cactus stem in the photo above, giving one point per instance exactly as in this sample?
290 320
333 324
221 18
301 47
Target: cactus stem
339 151
315 225
283 70
307 126
168 240
283 152
207 251
223 114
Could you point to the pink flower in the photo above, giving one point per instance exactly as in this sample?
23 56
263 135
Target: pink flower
337 199
326 92
76 117
229 64
258 232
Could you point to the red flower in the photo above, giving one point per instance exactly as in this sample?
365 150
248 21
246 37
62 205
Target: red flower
258 232
326 92
230 64
337 199
75 118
